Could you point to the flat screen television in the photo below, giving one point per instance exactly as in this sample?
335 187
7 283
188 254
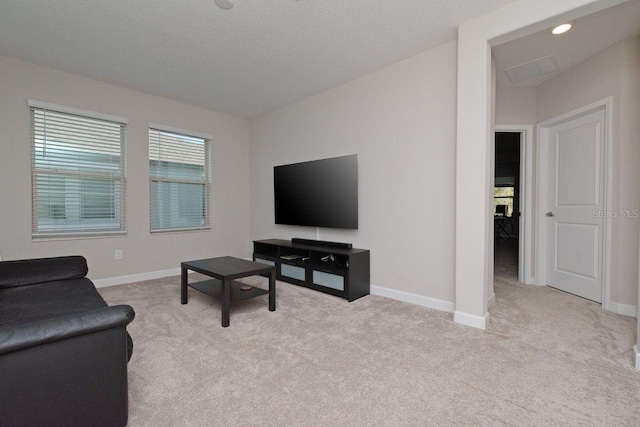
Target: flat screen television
319 193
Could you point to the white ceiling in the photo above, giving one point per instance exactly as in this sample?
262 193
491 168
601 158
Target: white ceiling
589 35
263 54
245 61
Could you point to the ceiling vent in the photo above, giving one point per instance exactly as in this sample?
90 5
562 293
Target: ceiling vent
532 69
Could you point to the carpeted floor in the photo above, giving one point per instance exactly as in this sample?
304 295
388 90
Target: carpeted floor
546 358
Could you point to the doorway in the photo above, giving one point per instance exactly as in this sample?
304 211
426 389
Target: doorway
513 167
473 273
507 196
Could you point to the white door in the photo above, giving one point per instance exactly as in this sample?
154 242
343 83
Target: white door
575 206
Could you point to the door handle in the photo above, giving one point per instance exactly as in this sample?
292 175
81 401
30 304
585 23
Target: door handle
549 213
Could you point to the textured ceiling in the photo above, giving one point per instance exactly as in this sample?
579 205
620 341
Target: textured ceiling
245 61
589 35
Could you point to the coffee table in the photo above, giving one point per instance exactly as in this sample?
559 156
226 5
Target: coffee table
222 285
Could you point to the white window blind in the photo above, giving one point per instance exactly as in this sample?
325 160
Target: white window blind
179 181
77 174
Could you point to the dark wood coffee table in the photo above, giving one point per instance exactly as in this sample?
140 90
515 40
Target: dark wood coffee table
223 271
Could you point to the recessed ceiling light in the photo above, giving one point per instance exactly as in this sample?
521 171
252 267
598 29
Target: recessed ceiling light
561 29
225 4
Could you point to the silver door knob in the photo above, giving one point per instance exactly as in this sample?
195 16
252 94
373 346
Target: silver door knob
549 213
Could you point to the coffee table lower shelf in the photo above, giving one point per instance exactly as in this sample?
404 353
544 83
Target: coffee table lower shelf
213 287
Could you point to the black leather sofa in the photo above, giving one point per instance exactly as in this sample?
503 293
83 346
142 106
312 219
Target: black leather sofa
63 351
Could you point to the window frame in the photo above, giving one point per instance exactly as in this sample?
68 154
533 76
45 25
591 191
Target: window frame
76 230
206 182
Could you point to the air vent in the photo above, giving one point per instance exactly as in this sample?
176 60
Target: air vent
532 69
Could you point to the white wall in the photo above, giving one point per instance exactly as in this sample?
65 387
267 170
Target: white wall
515 105
400 120
143 252
615 72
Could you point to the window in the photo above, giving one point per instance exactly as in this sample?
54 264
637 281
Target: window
77 172
503 196
179 180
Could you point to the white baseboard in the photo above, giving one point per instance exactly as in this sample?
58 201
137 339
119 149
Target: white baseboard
624 309
491 300
467 319
422 300
121 280
139 277
636 350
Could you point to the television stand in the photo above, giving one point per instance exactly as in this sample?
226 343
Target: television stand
323 266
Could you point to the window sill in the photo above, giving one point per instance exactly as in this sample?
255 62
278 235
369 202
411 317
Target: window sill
59 237
180 230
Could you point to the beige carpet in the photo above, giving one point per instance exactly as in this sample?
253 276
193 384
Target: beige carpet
546 358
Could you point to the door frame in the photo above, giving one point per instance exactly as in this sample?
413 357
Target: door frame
542 182
525 226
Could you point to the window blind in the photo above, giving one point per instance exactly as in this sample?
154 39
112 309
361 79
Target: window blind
77 174
179 181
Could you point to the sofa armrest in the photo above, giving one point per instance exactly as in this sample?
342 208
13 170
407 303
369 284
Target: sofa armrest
70 373
29 271
32 334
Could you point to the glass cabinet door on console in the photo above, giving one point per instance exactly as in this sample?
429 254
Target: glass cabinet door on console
337 270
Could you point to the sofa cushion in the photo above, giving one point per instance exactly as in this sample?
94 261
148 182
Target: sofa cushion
30 271
32 303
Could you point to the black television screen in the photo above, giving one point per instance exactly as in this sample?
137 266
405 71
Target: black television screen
320 193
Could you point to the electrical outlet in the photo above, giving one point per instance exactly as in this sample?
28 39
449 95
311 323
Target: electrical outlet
118 254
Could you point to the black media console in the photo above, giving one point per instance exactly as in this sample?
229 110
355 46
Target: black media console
333 268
